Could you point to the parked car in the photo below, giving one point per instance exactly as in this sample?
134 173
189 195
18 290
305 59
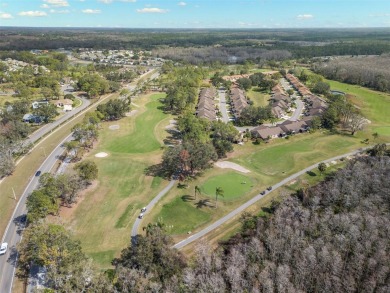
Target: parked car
141 215
143 210
3 248
38 173
263 192
269 188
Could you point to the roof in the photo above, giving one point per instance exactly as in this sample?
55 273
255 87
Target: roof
293 125
265 132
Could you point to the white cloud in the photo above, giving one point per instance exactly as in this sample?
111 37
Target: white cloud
5 16
59 11
45 6
305 16
32 13
152 10
105 1
182 3
58 3
91 11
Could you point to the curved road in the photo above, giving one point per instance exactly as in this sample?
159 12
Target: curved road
150 206
250 202
13 232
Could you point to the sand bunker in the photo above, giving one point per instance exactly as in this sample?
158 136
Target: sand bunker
172 124
114 127
101 155
230 165
132 113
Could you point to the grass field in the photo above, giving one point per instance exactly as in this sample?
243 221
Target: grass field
182 215
259 98
373 104
140 137
233 184
102 220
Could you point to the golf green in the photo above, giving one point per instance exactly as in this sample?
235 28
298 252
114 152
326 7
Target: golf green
233 184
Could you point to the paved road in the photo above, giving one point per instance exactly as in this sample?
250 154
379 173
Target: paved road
298 110
250 202
14 229
50 126
13 232
222 105
134 230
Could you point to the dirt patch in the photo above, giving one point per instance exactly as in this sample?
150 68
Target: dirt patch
172 124
114 127
230 165
101 155
67 212
131 113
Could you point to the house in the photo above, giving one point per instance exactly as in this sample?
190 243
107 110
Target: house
30 118
292 127
238 101
265 132
65 104
37 104
206 104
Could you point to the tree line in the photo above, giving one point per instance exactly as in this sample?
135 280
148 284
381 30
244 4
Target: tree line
332 237
367 71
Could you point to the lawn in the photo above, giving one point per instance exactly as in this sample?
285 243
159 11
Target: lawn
182 215
140 137
286 157
233 184
103 219
259 98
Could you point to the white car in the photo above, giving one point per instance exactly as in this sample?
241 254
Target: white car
141 215
3 248
143 210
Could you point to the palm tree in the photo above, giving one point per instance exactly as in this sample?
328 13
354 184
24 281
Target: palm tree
218 192
197 190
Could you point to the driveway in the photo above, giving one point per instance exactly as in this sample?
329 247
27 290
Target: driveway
222 105
298 111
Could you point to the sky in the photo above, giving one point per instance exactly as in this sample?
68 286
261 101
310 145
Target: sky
196 13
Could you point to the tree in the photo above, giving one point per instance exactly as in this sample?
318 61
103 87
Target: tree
375 135
322 167
356 122
321 88
197 190
244 83
47 112
218 192
87 170
379 150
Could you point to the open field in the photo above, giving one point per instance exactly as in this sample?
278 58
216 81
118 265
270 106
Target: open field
373 104
139 137
234 185
259 98
103 219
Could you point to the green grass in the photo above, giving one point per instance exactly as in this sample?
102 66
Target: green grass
181 215
156 182
233 184
142 139
124 219
103 218
259 98
290 156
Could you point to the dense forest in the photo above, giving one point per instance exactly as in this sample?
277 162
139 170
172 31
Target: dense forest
333 237
368 71
299 42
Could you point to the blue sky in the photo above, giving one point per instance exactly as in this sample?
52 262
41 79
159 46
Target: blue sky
196 13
